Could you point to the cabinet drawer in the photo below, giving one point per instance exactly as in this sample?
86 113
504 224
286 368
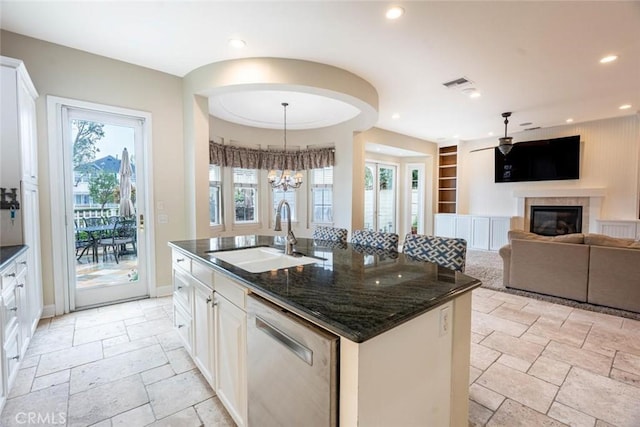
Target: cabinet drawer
12 355
181 260
203 273
182 323
234 292
9 275
10 309
182 290
21 264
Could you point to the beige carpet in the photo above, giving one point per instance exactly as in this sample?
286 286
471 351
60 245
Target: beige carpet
485 266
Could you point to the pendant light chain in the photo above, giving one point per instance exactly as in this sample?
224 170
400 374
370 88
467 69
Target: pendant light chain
287 179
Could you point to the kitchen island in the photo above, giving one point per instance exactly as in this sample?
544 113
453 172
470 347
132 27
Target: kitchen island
403 325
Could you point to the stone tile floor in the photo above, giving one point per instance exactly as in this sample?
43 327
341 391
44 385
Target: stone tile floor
121 365
533 363
536 363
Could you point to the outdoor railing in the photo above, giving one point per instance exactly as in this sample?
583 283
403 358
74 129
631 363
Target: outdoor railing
79 213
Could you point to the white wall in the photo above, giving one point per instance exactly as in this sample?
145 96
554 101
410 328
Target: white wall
70 73
610 154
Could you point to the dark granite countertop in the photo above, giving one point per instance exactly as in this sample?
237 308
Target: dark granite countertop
8 253
352 294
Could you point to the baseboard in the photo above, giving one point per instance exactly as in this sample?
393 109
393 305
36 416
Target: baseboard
164 291
48 311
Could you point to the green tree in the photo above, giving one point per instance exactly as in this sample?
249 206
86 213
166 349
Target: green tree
102 188
84 145
386 179
368 179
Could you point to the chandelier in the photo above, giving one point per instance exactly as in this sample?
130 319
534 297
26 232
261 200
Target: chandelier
288 178
506 142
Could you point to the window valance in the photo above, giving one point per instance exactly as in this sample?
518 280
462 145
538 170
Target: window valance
251 158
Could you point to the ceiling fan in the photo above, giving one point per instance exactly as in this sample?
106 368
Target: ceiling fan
506 142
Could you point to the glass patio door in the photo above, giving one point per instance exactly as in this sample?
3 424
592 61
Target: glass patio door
105 187
380 195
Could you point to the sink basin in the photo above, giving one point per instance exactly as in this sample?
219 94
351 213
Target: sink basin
261 259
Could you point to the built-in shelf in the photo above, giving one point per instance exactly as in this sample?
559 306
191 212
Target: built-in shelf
447 179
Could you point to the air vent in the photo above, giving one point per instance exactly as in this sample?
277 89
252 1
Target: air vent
460 83
526 124
533 128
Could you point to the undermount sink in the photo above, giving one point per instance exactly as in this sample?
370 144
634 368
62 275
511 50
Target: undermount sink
261 259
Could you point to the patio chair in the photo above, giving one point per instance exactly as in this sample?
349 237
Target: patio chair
110 220
444 251
124 233
84 242
375 239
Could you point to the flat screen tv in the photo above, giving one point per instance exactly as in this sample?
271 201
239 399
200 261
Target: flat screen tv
544 160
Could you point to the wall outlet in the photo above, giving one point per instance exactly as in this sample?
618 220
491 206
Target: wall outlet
445 321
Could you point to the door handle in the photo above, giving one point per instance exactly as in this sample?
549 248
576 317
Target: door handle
292 345
141 222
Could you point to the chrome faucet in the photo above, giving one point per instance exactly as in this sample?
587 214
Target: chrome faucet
291 239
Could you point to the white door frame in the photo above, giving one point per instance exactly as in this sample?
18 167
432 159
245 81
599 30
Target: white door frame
421 185
59 220
376 186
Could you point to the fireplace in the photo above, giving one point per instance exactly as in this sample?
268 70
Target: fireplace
556 220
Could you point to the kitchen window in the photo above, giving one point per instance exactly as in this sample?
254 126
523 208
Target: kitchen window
321 184
245 195
289 196
215 195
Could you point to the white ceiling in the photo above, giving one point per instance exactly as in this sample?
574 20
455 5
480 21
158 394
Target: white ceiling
537 59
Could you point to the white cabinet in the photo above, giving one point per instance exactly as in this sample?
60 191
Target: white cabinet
211 320
182 301
230 354
21 302
18 143
203 331
30 210
624 229
463 227
16 318
499 230
480 232
445 225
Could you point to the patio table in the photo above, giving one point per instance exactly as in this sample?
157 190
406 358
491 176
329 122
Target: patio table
95 233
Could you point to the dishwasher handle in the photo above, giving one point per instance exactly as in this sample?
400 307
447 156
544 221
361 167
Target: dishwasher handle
294 346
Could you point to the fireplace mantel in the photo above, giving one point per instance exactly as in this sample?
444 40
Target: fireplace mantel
591 212
559 192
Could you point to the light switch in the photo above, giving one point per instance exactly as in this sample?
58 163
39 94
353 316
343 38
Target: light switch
163 218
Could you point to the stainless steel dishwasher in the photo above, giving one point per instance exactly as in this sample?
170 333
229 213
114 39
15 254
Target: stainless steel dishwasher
292 369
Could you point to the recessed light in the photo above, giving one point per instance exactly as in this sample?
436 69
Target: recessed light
608 58
237 43
378 149
456 136
394 12
395 116
471 92
625 107
569 120
490 133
